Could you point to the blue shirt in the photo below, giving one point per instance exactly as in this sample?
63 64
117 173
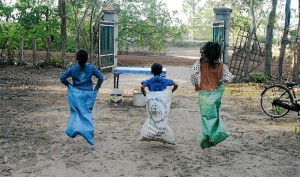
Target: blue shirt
82 77
157 83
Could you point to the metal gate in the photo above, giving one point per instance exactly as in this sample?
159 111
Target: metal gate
243 55
219 34
106 45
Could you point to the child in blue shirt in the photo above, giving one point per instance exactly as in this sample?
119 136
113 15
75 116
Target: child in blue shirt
157 83
81 96
82 73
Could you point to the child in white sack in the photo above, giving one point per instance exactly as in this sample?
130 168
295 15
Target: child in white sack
158 101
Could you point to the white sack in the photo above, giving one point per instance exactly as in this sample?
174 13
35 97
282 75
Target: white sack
155 128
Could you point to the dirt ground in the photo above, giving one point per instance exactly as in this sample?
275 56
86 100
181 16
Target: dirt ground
34 112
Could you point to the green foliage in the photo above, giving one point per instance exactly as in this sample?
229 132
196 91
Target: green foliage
258 77
147 24
188 43
55 61
297 128
240 22
240 16
293 35
278 110
13 32
202 25
261 38
32 19
143 23
5 12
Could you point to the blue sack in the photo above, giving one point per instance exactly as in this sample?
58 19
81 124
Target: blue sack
81 118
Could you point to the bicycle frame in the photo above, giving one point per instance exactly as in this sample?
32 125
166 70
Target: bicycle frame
294 106
278 99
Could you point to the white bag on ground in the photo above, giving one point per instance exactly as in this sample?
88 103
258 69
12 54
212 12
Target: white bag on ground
155 128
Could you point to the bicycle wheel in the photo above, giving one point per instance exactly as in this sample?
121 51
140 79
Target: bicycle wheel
275 92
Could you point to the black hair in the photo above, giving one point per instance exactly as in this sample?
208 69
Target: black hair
212 52
82 57
156 69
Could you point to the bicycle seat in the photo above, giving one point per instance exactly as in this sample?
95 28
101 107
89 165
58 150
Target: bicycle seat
291 84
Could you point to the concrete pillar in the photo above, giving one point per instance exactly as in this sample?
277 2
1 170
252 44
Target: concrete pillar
223 14
111 14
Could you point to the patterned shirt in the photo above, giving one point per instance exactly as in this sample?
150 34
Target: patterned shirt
157 83
195 74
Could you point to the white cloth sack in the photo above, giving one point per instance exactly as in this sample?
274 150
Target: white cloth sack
155 128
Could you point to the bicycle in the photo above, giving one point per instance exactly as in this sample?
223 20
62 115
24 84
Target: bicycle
278 99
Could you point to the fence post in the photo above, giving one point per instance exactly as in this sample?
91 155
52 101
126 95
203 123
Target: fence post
9 55
21 52
63 52
34 52
48 55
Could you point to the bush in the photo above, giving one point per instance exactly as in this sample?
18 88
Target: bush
258 77
188 43
55 61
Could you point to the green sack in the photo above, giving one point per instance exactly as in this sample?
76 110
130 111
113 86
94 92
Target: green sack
213 131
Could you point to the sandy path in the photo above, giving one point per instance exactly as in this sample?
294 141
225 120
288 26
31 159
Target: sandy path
33 141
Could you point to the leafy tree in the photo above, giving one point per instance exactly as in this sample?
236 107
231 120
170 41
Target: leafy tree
30 18
202 28
284 40
6 24
269 39
5 12
84 21
146 23
245 13
192 9
63 27
296 76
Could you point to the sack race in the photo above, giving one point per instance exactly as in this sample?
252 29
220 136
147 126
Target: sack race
213 131
81 117
155 128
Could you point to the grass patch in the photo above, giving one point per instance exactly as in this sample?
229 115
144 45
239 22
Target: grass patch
245 90
297 128
258 77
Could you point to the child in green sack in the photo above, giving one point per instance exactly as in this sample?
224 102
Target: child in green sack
208 76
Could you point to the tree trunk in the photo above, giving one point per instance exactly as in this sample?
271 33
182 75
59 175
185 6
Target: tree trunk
48 40
2 50
269 39
248 55
297 77
284 40
81 28
251 32
92 51
253 17
293 65
63 30
254 25
77 28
